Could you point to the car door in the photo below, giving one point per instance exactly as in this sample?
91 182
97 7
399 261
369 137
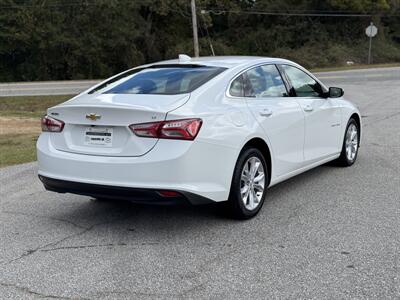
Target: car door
280 116
322 115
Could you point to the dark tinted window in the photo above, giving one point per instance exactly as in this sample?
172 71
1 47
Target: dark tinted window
303 84
166 80
264 81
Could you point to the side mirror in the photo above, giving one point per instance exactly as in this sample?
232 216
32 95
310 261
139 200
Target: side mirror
335 92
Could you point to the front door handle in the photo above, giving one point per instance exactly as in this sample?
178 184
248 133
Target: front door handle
266 112
308 107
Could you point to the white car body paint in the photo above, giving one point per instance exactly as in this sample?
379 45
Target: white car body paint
298 140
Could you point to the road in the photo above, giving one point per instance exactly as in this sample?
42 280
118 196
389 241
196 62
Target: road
68 87
73 87
331 233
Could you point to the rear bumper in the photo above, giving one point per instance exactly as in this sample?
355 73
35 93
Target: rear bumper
192 168
145 196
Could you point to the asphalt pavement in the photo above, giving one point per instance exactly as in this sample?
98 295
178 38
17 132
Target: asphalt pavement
331 233
73 87
68 87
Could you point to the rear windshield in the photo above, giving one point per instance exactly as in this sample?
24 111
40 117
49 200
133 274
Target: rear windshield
165 80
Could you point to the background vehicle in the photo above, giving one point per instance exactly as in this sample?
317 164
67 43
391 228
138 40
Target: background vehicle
205 130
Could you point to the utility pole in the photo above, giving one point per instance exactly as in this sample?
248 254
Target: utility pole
194 24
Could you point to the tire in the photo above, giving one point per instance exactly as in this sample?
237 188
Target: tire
350 146
236 206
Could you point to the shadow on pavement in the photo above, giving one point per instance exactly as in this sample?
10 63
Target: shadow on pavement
89 211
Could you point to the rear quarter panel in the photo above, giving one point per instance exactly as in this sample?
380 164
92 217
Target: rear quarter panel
227 123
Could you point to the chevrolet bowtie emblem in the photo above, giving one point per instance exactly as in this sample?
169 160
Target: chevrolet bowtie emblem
93 117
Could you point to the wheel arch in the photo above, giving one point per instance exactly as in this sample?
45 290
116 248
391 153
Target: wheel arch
261 145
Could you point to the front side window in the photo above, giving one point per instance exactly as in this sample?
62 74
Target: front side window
165 80
265 81
303 84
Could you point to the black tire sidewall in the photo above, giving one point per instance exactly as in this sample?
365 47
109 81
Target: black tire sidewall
344 156
235 197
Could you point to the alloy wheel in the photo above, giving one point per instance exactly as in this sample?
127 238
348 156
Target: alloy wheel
252 183
351 142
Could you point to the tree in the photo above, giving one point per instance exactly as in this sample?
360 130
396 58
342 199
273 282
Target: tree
73 39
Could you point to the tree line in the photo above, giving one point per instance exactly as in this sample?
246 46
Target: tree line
80 39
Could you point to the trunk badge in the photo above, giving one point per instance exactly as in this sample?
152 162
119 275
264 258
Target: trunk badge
93 117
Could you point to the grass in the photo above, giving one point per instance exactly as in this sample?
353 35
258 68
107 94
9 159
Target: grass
17 148
20 126
355 67
28 106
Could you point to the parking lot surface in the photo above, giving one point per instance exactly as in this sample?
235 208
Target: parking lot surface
329 233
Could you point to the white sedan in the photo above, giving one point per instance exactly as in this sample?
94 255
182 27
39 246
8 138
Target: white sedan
197 130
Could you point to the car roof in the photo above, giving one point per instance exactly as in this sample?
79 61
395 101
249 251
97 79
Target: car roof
223 61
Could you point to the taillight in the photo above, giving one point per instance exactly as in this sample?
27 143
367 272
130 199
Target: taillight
185 129
52 125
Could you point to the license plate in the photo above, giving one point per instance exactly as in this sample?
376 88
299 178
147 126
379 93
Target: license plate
99 136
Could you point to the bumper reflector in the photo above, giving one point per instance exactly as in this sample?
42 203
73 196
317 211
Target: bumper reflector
169 194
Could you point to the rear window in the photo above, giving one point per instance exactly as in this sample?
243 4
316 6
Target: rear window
164 80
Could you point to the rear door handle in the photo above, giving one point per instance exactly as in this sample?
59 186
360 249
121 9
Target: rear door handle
266 112
308 107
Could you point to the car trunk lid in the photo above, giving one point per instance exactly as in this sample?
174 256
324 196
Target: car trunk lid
98 124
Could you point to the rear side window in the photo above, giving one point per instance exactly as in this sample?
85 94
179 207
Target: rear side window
259 82
265 81
164 80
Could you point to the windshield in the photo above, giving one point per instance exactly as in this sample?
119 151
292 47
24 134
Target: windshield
168 80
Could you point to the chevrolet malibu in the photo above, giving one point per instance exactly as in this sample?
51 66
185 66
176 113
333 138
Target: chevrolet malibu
197 130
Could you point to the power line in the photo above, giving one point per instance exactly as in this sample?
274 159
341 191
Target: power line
218 11
221 8
298 14
71 3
